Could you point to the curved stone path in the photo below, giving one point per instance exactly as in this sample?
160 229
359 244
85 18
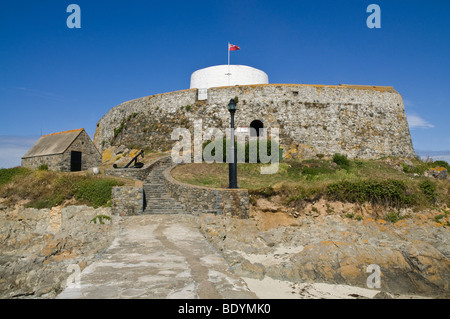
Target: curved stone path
159 256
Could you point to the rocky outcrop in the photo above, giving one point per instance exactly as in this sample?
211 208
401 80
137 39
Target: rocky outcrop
437 172
38 246
413 253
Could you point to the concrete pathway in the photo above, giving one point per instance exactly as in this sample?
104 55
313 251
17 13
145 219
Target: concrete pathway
159 256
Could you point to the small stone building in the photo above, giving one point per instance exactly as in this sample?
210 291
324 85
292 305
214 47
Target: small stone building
67 151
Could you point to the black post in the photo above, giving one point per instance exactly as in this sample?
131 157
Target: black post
232 167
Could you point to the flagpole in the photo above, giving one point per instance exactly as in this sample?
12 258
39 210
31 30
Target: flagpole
228 57
228 63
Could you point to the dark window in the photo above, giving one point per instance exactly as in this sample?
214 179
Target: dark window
256 124
75 161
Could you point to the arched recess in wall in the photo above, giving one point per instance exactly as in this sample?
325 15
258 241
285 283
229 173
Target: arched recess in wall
256 124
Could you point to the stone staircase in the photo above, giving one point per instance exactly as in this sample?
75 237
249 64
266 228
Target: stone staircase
157 198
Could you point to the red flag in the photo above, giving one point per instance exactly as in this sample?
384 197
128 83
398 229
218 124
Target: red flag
233 47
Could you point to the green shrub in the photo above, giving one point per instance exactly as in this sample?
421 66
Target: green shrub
43 167
443 164
388 192
254 144
46 189
420 167
118 130
428 188
265 191
359 163
96 192
239 148
438 218
316 168
100 219
216 143
406 168
48 201
303 194
393 217
341 160
7 174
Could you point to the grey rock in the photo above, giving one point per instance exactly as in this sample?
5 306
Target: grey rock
383 295
437 172
413 256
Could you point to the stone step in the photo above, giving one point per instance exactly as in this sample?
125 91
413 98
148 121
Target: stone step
155 200
158 199
155 189
165 207
154 182
164 202
149 186
155 193
164 211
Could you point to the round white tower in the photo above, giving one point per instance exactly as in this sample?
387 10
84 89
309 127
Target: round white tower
224 75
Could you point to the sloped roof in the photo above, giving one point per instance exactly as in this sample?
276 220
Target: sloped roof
52 144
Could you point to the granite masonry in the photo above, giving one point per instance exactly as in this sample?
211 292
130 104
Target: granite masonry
127 200
360 121
63 151
162 194
200 200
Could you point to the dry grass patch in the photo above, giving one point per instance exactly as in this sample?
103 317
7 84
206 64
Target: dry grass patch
46 189
379 182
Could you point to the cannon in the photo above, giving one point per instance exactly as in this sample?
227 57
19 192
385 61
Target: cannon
135 160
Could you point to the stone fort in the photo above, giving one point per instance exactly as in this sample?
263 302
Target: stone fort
360 121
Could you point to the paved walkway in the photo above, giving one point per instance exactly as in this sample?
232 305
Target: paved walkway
159 256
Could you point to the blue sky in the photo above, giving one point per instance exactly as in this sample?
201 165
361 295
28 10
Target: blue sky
53 78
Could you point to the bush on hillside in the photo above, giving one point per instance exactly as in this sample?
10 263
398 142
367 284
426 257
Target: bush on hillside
341 160
7 174
46 189
388 192
249 146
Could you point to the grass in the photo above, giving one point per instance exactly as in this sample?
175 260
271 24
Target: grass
7 174
419 167
389 192
100 219
46 189
341 160
439 218
340 179
95 192
393 217
314 173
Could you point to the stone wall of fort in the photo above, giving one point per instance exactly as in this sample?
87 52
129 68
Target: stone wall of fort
359 121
